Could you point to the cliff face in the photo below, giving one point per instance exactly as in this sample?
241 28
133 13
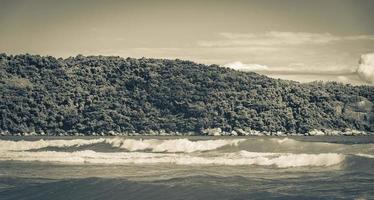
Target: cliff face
100 94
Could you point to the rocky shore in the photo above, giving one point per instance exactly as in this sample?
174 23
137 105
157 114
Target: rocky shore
208 132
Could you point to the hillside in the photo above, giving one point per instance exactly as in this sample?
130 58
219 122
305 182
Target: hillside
99 94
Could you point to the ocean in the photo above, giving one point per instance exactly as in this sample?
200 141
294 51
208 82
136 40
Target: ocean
187 168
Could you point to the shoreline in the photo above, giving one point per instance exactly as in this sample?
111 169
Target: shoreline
217 132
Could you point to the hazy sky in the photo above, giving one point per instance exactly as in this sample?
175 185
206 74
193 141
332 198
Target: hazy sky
303 40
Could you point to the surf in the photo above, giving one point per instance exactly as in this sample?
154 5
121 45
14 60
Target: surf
242 158
272 152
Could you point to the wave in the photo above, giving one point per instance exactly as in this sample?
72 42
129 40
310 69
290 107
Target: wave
281 160
174 145
154 145
282 153
295 160
6 145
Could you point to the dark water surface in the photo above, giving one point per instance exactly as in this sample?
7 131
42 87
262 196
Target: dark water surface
187 168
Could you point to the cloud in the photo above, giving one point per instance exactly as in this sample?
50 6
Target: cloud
246 67
277 38
366 68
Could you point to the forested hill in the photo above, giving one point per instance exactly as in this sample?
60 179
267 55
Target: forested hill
99 94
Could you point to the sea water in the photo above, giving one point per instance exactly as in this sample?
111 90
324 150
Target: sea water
187 168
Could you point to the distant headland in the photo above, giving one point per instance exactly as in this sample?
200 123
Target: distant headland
104 95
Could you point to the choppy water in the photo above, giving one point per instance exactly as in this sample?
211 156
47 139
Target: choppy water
187 168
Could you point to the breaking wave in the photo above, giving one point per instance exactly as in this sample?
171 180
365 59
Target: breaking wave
281 160
6 145
175 145
154 145
282 153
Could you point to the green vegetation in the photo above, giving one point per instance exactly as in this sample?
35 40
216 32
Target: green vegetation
100 94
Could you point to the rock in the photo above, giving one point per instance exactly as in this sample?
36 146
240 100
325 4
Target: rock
332 132
213 131
351 132
241 132
316 132
224 133
152 132
234 133
279 133
255 133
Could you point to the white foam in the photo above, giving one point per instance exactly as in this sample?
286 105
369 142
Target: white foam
154 145
282 160
6 145
173 145
172 151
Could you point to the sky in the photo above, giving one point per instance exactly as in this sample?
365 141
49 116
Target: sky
302 40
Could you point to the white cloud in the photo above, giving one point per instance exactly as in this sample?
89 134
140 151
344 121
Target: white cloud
246 67
366 68
277 38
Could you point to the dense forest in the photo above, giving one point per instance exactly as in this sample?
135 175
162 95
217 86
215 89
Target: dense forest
100 94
